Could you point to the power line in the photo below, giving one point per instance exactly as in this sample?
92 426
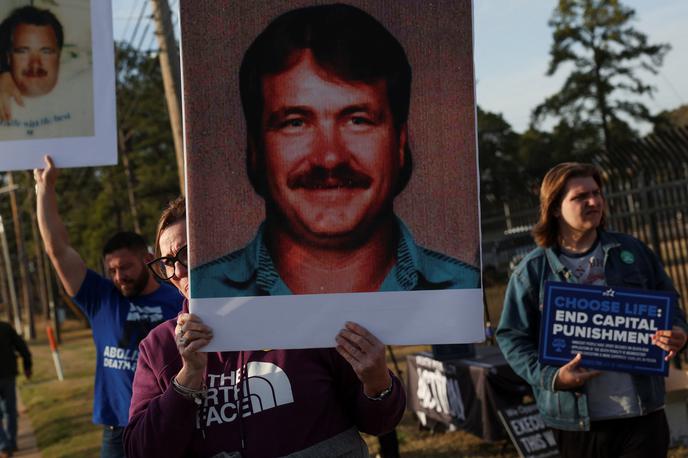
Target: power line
143 36
129 18
672 87
138 22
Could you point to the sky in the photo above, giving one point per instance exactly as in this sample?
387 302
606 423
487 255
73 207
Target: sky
512 41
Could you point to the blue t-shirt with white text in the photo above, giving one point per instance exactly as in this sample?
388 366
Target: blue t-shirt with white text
119 323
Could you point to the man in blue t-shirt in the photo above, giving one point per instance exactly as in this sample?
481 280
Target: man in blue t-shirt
121 310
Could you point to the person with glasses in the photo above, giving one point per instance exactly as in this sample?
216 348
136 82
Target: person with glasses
122 309
266 403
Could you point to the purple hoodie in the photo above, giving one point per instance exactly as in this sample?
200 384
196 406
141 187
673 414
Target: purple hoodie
289 400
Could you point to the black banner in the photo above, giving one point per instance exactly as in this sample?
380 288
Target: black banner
464 393
529 434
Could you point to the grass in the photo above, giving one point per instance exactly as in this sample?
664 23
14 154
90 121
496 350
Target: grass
60 412
415 442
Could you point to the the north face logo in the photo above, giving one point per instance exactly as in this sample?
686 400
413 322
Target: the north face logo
266 386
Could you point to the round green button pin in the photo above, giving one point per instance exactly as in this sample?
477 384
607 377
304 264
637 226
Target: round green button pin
627 257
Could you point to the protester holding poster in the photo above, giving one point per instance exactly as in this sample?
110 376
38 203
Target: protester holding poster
592 413
252 403
121 309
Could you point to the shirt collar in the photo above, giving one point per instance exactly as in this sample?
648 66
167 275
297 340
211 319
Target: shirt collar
411 264
606 239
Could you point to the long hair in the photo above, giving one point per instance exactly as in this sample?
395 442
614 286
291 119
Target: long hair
546 231
172 214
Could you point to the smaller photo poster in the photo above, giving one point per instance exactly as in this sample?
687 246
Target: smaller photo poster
611 328
57 83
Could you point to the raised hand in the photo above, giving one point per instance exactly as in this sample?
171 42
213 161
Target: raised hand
366 354
191 335
46 176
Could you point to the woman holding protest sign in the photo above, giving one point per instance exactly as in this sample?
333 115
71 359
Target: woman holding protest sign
592 413
252 403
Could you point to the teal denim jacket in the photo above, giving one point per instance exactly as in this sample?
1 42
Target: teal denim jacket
627 262
251 272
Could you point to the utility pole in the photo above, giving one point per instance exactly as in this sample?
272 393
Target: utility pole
4 294
29 330
171 77
124 153
8 268
10 278
38 252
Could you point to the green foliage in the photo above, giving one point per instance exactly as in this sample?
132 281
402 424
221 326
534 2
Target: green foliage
499 169
94 202
674 118
541 150
596 40
60 411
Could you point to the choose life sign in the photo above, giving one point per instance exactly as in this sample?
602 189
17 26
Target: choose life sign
610 327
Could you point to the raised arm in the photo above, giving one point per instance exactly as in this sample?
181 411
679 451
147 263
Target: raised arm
69 265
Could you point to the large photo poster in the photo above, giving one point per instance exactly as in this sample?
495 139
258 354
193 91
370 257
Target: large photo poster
56 83
331 171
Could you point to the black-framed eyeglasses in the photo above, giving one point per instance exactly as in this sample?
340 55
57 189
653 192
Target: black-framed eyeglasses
164 267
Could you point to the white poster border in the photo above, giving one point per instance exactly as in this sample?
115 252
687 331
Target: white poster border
313 320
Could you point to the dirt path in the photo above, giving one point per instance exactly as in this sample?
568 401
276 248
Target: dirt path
26 442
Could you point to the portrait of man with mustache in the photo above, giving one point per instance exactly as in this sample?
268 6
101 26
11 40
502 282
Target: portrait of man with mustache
31 41
325 92
349 190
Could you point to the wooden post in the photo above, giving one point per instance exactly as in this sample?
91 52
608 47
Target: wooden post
38 252
171 77
10 278
30 332
4 294
124 154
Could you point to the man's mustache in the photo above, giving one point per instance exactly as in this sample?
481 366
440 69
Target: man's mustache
35 72
341 176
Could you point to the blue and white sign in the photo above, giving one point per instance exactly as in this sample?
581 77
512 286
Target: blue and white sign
611 328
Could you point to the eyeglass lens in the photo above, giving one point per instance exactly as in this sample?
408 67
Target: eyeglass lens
168 263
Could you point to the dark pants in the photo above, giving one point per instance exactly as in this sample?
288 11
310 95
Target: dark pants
112 446
8 396
389 444
637 437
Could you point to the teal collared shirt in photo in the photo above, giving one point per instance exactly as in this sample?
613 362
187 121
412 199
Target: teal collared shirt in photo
251 272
